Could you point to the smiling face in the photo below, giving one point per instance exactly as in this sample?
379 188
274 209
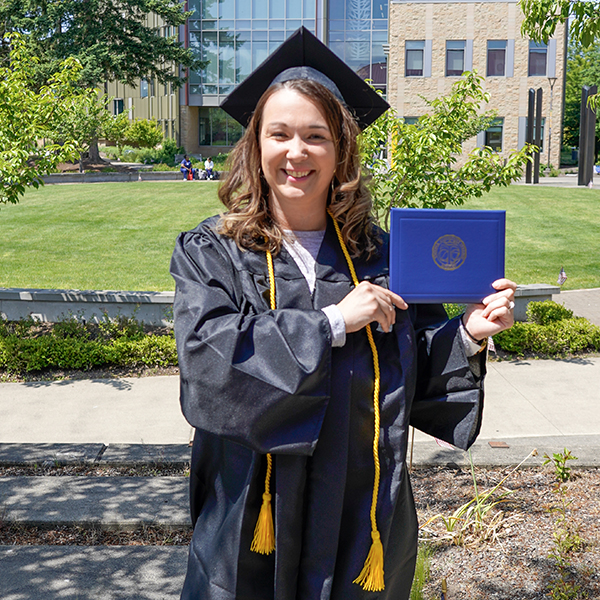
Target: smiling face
298 159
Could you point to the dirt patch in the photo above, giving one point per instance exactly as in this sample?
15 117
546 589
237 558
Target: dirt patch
149 535
517 564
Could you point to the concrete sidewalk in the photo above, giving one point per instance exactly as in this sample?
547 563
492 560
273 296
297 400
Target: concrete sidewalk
524 399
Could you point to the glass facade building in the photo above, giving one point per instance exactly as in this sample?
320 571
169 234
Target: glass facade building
233 37
357 31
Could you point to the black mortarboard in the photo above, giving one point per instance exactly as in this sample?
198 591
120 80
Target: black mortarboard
303 56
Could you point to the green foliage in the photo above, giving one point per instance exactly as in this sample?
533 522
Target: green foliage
112 39
75 345
542 17
583 68
84 121
420 169
422 572
26 117
146 133
546 312
453 310
115 128
569 336
566 538
478 520
559 461
165 154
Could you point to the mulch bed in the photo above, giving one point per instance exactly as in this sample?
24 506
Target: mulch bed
517 564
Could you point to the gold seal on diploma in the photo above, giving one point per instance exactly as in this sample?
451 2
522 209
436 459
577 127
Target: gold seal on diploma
449 252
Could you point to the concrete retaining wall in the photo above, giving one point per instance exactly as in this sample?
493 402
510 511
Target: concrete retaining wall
153 308
112 177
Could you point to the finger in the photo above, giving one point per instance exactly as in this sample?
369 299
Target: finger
508 293
499 303
501 284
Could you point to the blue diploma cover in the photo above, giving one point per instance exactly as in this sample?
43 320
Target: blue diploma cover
445 255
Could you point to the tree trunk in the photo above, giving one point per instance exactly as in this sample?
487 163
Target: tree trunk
94 153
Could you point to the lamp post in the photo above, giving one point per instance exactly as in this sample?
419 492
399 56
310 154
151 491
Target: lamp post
551 81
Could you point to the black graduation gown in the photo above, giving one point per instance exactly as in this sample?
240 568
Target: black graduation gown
254 381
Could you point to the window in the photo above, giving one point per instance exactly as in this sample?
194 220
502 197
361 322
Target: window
496 58
414 58
455 58
152 92
493 135
411 120
537 59
216 128
144 88
117 106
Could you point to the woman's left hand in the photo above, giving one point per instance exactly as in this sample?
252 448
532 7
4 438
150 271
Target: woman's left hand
494 314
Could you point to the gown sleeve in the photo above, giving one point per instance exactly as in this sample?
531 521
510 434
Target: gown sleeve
448 401
254 376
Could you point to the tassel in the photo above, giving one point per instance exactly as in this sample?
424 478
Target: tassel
264 532
371 577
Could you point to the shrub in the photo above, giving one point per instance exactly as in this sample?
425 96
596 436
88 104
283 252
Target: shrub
26 346
568 336
146 133
544 313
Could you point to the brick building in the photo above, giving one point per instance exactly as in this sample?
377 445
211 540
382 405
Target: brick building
431 42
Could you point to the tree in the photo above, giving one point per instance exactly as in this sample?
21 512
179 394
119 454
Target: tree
583 68
420 170
111 38
542 17
27 117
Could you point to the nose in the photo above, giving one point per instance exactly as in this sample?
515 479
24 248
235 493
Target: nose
297 148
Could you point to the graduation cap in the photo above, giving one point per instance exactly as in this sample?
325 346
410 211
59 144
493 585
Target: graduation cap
303 56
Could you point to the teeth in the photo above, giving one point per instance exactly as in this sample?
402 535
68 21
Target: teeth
297 174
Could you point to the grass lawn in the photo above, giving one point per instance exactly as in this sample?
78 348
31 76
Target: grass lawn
120 236
112 236
548 228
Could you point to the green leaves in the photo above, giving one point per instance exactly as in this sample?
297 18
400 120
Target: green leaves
112 39
416 165
542 17
28 119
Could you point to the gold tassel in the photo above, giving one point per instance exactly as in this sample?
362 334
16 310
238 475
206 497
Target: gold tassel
371 577
264 532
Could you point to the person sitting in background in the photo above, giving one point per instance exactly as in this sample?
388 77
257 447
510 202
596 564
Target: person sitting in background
186 168
209 165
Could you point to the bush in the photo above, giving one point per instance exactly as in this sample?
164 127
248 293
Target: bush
146 133
27 346
165 154
546 312
552 330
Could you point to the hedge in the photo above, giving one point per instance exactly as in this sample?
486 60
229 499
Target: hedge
74 345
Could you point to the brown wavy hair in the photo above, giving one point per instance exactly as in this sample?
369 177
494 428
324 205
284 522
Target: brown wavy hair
245 192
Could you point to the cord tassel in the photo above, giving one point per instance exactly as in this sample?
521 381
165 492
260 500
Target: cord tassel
264 532
371 576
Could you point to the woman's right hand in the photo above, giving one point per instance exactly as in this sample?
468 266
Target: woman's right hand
367 303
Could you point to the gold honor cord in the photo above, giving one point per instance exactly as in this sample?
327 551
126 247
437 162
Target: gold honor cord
371 576
264 532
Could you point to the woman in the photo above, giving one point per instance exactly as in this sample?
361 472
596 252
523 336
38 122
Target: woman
291 374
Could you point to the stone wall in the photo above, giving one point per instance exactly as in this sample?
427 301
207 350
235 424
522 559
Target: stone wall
52 306
480 22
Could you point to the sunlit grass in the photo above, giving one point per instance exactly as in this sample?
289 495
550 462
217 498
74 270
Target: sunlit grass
121 235
117 236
